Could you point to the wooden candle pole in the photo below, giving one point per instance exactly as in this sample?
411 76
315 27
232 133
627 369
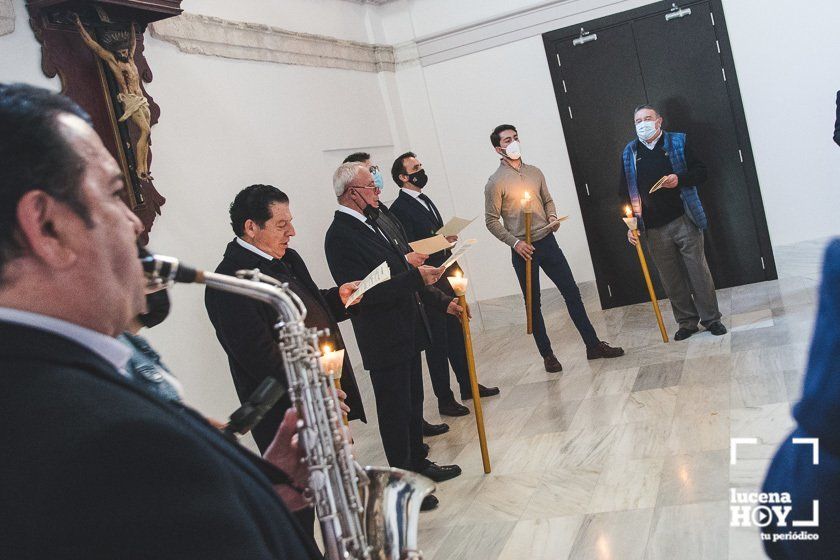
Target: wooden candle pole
632 223
459 285
529 293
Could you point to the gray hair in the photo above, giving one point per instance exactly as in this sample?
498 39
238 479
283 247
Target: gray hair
345 173
645 106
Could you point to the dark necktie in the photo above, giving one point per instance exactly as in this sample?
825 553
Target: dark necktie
432 208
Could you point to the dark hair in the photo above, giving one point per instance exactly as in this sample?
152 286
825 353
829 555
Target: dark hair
359 157
252 203
496 135
399 167
35 155
645 106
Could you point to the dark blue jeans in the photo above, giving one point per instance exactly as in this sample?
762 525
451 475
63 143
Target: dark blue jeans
548 256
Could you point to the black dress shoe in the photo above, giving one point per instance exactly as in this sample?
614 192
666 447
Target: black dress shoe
439 473
684 333
430 502
434 429
716 328
552 364
482 392
452 408
603 350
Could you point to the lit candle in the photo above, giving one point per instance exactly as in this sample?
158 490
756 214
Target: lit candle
526 203
459 283
332 361
630 219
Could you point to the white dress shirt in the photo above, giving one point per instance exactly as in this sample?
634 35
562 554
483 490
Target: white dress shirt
416 196
107 347
253 249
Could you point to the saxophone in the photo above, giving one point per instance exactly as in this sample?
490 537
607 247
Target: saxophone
366 513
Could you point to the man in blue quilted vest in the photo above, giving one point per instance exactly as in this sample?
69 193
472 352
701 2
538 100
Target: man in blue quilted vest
672 218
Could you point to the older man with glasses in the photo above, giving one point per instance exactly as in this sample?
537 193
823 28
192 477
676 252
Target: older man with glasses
389 322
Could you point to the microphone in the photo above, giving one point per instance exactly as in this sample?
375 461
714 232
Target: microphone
160 269
258 404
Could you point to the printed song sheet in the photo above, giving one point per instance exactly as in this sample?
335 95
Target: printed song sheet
378 275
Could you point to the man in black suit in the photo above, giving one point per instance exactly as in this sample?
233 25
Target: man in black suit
389 322
420 219
94 465
394 231
262 222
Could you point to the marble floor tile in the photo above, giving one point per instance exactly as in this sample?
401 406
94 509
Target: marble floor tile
587 447
652 404
627 484
502 498
563 491
542 539
706 432
613 535
708 370
697 400
643 440
745 544
613 382
690 532
658 376
599 411
527 395
701 477
758 319
479 541
551 416
528 455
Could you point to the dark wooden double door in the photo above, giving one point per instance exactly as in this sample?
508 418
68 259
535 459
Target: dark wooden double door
683 66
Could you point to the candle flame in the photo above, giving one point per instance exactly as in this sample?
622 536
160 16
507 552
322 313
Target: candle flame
628 212
326 349
458 274
527 196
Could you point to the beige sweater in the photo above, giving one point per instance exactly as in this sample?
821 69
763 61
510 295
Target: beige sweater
503 213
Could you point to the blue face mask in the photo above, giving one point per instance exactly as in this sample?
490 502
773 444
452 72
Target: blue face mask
377 178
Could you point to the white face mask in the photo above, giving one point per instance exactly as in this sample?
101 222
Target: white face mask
514 150
645 130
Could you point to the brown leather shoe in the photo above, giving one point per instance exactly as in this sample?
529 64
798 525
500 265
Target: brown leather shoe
552 364
603 350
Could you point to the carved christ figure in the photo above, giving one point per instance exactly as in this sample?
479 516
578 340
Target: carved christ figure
120 60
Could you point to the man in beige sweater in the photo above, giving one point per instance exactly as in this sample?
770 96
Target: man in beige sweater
506 220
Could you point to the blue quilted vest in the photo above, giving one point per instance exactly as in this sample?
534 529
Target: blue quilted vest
674 146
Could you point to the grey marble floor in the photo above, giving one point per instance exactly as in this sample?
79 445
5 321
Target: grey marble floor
625 458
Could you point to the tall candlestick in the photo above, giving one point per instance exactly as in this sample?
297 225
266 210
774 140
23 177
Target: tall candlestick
529 294
632 224
459 286
332 362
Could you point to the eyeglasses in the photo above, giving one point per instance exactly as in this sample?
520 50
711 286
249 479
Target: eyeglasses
374 187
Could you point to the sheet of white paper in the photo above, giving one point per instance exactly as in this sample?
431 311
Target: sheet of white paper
454 226
559 220
458 251
430 245
378 275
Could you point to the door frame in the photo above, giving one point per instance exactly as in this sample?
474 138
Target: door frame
735 104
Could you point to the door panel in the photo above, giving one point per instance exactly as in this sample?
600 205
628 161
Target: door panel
675 65
597 79
684 80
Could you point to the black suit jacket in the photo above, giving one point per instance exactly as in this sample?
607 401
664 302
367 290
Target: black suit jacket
419 223
387 323
837 122
245 328
94 466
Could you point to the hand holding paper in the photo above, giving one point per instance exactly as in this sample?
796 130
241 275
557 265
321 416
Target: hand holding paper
378 275
554 224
